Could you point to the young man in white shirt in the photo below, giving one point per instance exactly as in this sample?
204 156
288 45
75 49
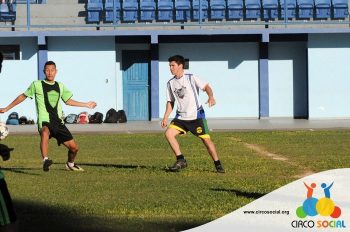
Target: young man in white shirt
190 116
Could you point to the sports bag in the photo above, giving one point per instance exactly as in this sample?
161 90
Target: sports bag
97 117
71 118
13 119
122 116
111 116
83 118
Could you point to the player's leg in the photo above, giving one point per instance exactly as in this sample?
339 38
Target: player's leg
8 218
174 130
170 135
44 147
73 149
199 127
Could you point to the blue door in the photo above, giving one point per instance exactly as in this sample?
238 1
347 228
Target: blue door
135 66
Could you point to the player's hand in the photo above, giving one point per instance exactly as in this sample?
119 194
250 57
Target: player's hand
164 122
211 101
3 110
91 104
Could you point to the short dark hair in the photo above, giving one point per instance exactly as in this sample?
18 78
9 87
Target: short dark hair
49 63
178 59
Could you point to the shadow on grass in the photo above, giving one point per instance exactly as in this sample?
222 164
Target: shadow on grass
37 217
240 193
20 170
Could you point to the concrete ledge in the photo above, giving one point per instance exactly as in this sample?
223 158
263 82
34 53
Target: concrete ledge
214 125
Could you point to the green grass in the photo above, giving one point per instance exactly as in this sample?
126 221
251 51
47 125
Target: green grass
125 188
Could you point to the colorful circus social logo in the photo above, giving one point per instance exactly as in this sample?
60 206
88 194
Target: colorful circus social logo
323 206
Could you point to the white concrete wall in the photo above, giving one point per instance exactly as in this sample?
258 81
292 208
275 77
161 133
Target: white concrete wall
329 75
287 79
17 75
86 65
231 70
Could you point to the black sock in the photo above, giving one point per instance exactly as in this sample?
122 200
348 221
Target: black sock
217 162
178 157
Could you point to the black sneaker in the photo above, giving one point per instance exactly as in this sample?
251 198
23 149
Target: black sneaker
219 168
47 164
179 164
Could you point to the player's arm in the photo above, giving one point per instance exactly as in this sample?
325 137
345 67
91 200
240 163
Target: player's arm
211 100
89 104
168 109
15 102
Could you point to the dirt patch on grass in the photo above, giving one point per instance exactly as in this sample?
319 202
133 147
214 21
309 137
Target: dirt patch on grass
260 150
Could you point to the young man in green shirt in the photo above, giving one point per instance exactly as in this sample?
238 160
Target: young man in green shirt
47 95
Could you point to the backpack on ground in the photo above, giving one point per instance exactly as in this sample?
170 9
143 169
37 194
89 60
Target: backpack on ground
122 116
111 116
97 117
23 120
71 118
13 119
83 118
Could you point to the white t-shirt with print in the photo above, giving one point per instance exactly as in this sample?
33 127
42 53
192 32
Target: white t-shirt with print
184 91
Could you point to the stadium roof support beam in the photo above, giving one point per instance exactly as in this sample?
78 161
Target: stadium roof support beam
42 56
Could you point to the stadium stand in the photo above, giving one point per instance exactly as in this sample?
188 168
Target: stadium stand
147 10
109 6
235 9
182 10
165 10
94 10
340 9
130 10
305 9
252 9
217 9
8 13
196 9
270 9
291 9
322 9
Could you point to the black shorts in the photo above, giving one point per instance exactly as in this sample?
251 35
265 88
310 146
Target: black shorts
7 212
198 127
59 131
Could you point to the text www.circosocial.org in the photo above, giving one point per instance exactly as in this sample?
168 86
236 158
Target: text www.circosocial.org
285 212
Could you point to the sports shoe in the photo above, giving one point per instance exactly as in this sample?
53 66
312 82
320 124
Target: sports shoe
74 168
179 164
219 168
46 165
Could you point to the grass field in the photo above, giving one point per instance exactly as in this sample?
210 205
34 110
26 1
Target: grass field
125 187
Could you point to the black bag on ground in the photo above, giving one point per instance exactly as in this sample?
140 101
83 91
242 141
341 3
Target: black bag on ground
111 116
122 116
97 117
23 120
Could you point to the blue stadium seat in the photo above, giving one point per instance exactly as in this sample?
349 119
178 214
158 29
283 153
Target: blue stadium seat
340 9
6 14
217 9
252 9
109 10
322 9
235 9
25 1
204 7
94 9
270 8
165 10
291 8
148 10
130 10
182 10
305 9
